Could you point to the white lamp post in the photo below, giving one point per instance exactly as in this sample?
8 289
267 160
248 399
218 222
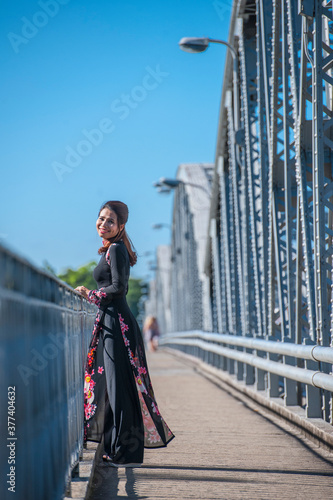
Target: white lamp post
196 45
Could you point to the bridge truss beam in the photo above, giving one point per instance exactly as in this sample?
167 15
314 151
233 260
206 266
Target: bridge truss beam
274 204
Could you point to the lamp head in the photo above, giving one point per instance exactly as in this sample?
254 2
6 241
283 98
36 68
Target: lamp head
194 45
169 183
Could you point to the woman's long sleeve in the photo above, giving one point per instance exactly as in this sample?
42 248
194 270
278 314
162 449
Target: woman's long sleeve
117 261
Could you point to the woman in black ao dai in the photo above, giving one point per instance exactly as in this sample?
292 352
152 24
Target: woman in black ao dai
119 402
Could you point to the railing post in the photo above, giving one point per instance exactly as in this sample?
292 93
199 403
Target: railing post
224 361
273 380
240 366
231 364
304 372
313 396
290 386
249 370
217 361
260 374
202 354
207 357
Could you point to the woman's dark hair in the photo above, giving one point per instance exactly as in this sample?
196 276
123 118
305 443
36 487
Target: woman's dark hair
121 211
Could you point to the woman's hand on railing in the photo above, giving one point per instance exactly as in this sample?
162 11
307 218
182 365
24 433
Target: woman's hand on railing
83 291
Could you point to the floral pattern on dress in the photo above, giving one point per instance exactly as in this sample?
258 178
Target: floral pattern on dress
151 433
89 383
89 407
96 296
156 432
107 255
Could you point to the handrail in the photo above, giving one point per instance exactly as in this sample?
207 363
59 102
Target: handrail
315 352
298 373
310 377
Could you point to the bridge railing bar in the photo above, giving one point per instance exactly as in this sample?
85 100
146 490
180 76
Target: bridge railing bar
263 364
315 352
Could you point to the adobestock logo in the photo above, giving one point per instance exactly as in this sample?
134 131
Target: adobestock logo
74 156
39 359
30 27
121 107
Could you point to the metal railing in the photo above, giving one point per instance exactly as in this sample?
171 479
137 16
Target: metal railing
294 372
45 328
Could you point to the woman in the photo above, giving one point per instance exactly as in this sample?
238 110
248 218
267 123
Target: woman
151 332
119 400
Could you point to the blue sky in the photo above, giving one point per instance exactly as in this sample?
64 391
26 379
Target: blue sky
98 101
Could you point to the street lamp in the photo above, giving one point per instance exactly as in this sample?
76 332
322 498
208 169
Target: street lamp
196 45
160 225
168 184
161 188
147 253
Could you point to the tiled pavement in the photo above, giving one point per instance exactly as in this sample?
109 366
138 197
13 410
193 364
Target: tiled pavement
224 449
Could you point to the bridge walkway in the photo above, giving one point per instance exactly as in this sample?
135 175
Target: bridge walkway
224 448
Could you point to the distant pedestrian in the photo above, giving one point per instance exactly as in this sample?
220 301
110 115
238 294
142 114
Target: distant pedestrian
151 332
119 402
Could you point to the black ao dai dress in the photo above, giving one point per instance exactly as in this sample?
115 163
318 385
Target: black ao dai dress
119 401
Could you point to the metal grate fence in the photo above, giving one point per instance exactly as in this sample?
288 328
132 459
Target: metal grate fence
45 328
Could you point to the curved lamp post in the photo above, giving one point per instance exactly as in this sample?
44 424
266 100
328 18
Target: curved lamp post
160 225
161 188
195 45
165 185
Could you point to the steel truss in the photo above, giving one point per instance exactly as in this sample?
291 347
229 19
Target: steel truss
274 202
269 254
189 235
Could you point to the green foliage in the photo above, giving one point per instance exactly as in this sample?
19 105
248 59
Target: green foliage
134 295
81 276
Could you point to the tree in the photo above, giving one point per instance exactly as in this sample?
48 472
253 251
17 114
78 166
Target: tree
134 295
81 276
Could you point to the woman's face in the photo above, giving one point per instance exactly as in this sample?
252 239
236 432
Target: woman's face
107 224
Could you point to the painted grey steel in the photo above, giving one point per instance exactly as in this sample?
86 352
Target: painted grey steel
162 291
45 332
151 301
274 202
316 353
268 257
252 236
189 229
315 378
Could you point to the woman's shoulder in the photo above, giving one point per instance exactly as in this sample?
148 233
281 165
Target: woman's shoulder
116 248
